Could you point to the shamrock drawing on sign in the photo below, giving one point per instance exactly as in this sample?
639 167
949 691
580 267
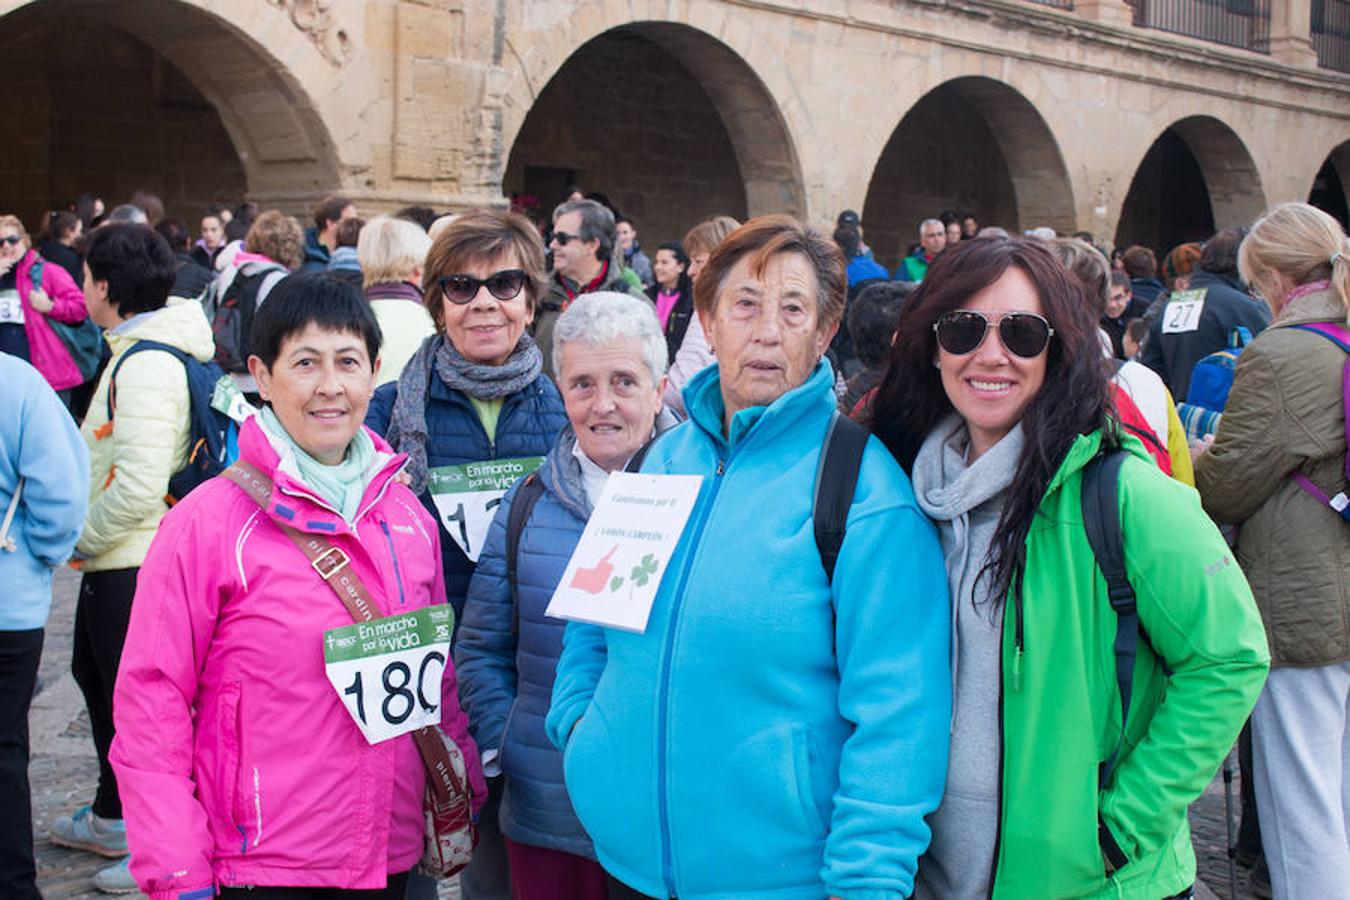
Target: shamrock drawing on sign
644 570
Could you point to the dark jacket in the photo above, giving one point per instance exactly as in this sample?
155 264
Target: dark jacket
560 294
192 278
1147 290
66 258
206 258
316 253
1173 353
677 323
529 422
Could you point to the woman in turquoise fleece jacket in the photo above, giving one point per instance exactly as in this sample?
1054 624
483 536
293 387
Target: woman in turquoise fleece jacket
773 733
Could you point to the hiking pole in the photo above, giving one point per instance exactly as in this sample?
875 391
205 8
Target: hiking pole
1228 820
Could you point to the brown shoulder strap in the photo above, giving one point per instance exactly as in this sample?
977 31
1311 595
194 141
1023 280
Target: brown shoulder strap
332 566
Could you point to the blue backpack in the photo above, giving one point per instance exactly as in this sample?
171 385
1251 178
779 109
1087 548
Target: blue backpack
1211 380
212 435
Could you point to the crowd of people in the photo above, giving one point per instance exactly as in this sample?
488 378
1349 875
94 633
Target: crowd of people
991 562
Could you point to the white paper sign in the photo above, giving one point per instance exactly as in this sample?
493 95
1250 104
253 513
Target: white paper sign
11 308
1182 312
387 672
618 564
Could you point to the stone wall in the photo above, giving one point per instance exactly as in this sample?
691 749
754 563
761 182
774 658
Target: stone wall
625 118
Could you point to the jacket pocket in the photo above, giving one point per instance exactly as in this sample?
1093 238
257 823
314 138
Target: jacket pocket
506 734
816 814
228 778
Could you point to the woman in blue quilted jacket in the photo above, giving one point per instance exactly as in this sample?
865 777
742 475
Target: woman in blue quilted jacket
474 410
610 356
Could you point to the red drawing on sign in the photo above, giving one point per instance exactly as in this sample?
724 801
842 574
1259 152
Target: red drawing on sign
593 580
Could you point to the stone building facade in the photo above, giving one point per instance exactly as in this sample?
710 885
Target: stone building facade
1059 112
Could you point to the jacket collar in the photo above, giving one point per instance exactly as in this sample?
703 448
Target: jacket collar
703 399
1317 306
293 502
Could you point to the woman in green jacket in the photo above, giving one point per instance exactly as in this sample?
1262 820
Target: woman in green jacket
996 402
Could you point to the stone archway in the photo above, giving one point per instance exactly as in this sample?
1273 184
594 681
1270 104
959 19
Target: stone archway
1197 177
168 96
974 145
1331 186
675 127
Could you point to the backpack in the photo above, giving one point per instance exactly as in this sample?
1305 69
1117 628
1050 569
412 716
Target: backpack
212 434
230 303
83 340
1338 335
1211 380
836 478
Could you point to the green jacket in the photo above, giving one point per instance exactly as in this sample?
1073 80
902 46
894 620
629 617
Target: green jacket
1060 707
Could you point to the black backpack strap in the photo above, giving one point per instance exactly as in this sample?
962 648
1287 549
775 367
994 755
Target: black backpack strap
527 495
836 479
133 349
1101 522
634 463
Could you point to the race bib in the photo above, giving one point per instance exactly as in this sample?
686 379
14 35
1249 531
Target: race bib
228 400
1182 312
467 496
387 672
11 310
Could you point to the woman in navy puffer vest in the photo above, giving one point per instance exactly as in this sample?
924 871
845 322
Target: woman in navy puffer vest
611 358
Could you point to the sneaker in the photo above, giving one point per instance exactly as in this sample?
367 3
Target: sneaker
86 831
116 879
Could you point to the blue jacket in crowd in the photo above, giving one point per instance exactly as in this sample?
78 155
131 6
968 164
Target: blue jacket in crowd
770 735
39 443
529 422
505 658
316 252
863 268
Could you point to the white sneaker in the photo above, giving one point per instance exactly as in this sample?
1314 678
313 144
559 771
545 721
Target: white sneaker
86 831
116 879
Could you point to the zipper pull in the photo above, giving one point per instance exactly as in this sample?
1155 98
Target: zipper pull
721 467
1017 670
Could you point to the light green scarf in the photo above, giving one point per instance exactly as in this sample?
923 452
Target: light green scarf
342 485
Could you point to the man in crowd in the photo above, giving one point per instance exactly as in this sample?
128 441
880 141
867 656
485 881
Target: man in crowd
932 239
1141 264
633 257
586 258
321 240
1121 307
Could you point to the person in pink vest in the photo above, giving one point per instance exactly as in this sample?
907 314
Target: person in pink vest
256 756
25 308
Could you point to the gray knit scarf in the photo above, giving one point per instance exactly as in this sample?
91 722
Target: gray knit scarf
408 422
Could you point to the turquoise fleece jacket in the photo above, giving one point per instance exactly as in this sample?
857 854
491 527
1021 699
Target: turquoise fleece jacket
771 734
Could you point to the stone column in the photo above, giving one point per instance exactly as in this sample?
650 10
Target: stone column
1290 32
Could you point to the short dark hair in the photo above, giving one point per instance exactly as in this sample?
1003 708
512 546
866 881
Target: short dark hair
1140 262
872 318
137 263
1121 279
849 240
349 231
175 231
618 220
312 298
1137 329
1220 253
422 215
330 210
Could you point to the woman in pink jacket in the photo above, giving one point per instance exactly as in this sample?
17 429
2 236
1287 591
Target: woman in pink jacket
262 741
25 307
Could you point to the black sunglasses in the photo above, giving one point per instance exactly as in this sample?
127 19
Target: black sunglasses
11 239
563 238
504 285
962 331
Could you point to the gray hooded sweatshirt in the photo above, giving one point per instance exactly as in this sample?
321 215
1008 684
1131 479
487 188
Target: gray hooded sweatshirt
965 499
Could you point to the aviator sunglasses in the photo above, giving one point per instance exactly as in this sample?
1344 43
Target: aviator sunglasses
962 331
504 285
13 240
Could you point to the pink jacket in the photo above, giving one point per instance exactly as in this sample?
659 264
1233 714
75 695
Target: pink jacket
236 760
48 354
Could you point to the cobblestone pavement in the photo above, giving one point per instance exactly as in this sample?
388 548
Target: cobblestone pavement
64 772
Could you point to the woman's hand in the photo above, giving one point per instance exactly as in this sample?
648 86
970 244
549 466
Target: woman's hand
1199 447
40 301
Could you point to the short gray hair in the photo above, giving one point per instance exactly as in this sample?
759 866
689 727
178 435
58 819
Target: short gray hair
603 316
127 214
926 222
597 224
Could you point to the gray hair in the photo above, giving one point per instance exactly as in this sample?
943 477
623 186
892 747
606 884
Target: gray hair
926 222
597 224
127 213
603 316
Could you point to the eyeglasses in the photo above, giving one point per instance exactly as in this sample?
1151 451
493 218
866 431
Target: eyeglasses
12 239
962 331
504 285
563 238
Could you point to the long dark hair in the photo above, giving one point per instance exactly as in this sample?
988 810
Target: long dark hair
1073 400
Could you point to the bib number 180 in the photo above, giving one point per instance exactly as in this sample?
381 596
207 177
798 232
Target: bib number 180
387 672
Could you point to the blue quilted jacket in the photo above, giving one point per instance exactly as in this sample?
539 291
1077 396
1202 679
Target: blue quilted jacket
530 421
505 667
